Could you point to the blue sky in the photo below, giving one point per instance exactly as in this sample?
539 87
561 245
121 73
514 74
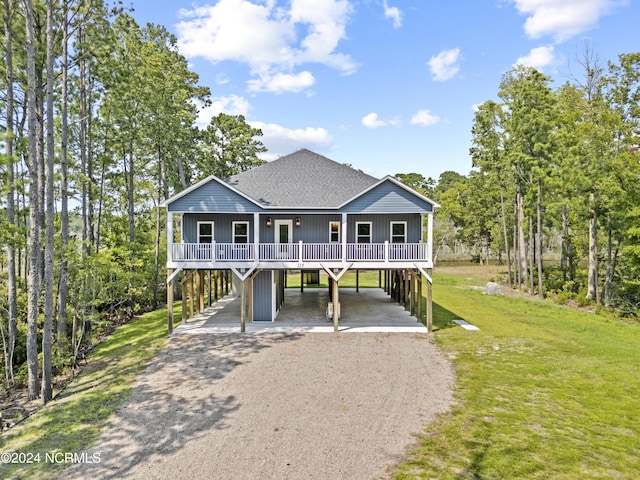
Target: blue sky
388 86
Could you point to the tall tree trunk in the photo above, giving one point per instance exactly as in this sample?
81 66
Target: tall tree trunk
592 276
532 253
522 245
12 306
504 231
565 242
63 289
540 239
33 279
612 260
47 331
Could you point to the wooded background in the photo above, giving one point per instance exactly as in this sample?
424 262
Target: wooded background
99 127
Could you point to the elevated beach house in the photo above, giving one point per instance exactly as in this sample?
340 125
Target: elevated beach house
301 212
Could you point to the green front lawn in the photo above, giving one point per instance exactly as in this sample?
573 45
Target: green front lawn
72 422
544 392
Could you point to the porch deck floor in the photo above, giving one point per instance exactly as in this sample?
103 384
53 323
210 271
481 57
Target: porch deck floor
369 310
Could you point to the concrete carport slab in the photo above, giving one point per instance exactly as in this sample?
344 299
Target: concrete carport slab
366 310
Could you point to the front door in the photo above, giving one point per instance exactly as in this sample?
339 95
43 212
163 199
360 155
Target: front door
283 240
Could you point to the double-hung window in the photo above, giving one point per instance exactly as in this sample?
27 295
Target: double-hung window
334 232
241 236
398 232
205 239
363 232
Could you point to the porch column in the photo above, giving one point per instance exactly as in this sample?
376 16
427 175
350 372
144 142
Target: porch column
429 300
419 296
243 297
344 237
185 279
200 291
430 236
170 302
256 235
336 305
191 292
169 236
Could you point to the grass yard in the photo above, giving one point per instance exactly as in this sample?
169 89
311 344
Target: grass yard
544 392
365 279
72 422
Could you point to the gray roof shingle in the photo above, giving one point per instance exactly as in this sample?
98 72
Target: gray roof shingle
302 179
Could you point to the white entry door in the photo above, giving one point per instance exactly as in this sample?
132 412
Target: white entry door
283 239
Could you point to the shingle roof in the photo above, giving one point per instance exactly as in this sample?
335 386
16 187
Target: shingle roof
302 179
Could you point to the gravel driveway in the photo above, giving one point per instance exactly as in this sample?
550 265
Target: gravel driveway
275 406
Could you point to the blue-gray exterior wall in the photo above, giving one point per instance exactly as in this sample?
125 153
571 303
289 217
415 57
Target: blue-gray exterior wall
381 226
262 296
213 197
222 226
314 228
388 198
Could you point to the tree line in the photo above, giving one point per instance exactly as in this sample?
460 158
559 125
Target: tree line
99 126
554 172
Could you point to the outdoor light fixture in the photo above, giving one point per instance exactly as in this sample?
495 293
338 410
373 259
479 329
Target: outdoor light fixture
297 221
268 221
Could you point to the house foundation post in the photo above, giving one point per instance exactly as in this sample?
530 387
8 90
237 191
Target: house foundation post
200 291
412 293
185 295
209 289
336 305
407 286
243 297
191 292
419 276
170 302
429 302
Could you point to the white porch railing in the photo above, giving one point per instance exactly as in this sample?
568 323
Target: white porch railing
298 252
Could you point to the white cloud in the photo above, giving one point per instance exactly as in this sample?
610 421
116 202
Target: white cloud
270 39
425 117
231 105
282 82
394 14
444 65
539 58
563 19
372 121
281 140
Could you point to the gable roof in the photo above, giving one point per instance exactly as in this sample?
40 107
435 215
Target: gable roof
302 179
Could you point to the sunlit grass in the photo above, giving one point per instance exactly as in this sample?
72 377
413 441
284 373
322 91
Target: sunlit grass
544 392
72 422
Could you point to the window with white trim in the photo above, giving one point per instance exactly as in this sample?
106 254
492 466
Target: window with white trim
334 232
398 232
240 232
363 232
205 232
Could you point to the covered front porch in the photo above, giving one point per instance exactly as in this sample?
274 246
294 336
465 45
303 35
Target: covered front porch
362 310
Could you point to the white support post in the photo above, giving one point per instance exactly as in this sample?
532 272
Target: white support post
430 237
386 251
256 235
300 260
344 237
169 236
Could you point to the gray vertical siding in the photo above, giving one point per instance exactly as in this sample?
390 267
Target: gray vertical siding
314 228
222 227
381 226
262 293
